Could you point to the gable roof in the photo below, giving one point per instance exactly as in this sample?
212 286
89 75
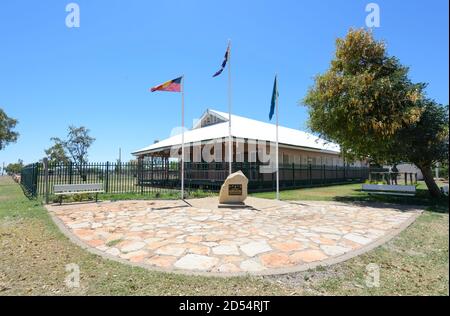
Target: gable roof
242 127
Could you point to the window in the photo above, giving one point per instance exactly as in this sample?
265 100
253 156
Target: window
209 120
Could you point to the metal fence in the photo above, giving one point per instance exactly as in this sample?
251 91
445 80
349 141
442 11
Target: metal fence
145 177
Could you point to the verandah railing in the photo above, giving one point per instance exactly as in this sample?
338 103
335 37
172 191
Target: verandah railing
150 177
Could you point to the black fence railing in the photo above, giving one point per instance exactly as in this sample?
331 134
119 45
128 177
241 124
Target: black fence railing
29 179
149 177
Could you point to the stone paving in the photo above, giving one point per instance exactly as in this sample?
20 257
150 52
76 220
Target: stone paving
272 237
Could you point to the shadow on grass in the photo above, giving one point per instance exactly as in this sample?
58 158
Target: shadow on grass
422 198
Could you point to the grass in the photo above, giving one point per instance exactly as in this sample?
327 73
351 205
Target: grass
163 195
34 254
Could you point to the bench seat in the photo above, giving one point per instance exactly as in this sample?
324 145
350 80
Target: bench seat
72 189
387 189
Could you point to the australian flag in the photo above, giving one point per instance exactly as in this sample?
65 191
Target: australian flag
224 62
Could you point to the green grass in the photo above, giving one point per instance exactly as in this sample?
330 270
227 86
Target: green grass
34 253
163 195
353 193
112 243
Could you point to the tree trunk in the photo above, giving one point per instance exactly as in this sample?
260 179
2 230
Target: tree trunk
433 188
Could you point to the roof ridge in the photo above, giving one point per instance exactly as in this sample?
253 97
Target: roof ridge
253 128
261 122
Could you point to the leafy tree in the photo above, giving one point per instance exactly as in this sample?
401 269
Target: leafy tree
7 134
443 170
426 142
365 101
57 153
14 168
76 144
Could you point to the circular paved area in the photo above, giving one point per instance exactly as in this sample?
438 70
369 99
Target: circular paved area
271 237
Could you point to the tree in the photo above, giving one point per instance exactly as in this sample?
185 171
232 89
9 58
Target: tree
365 100
7 134
77 144
14 168
426 142
57 154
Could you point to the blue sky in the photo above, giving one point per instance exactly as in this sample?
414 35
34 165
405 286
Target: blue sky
98 75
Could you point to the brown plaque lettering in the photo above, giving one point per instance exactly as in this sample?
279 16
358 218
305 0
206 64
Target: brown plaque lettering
235 189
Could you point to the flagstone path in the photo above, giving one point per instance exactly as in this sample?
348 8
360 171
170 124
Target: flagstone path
273 237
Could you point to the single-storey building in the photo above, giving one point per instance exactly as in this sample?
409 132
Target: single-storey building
295 146
206 152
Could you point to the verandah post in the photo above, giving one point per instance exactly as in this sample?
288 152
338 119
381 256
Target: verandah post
273 181
293 174
323 175
310 173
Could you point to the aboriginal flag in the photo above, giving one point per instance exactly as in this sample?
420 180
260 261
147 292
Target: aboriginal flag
171 86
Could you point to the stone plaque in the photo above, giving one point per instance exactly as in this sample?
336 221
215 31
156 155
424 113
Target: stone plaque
235 189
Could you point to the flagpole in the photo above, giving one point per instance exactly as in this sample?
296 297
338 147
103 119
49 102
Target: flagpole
182 138
230 140
276 150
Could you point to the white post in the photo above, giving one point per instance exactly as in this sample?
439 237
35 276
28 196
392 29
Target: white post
276 149
230 139
182 138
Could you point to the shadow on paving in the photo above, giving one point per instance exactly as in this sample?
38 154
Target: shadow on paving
421 200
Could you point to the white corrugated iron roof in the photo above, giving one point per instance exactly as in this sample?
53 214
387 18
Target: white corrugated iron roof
242 127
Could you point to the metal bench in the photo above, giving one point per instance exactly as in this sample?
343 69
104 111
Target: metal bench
406 190
72 189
